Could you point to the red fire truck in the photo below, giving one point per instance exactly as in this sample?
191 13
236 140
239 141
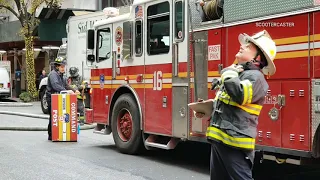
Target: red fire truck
150 62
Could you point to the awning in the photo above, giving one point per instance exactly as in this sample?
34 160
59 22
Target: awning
47 13
9 32
52 25
79 13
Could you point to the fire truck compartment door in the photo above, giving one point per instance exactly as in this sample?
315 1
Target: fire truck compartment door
200 78
295 123
180 110
180 81
270 119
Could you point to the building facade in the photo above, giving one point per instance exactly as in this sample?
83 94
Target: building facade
48 35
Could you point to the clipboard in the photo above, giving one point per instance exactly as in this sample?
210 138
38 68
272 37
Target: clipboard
205 107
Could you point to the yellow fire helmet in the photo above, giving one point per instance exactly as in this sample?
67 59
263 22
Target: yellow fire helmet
264 41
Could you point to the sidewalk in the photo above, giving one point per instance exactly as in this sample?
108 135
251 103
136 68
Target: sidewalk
34 109
27 118
10 121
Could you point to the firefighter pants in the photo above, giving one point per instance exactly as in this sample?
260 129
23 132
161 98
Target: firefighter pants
49 125
227 163
80 109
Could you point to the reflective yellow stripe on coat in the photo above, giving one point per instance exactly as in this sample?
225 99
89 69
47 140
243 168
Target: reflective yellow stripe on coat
247 91
79 96
243 143
249 108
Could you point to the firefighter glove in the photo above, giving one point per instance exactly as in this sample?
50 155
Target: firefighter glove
216 82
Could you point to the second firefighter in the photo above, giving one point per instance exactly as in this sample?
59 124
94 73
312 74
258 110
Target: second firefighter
76 82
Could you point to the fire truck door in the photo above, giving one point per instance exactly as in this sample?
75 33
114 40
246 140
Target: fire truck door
180 81
104 62
158 63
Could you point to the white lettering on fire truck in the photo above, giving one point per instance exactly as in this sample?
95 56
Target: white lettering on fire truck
275 24
214 52
157 81
270 99
55 118
73 118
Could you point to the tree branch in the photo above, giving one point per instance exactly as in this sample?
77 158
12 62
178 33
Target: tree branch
24 8
18 4
34 22
11 10
21 15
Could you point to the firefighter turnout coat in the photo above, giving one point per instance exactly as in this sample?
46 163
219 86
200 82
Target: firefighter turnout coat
56 83
77 83
238 103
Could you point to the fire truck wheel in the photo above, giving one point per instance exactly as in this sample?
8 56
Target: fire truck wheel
44 104
126 125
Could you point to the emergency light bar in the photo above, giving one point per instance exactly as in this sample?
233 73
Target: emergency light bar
111 11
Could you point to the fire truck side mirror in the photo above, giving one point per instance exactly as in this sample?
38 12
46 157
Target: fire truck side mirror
90 57
90 39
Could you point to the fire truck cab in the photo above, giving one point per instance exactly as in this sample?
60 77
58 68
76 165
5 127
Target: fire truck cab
148 63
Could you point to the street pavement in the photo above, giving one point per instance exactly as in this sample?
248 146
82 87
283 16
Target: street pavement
17 121
34 109
28 155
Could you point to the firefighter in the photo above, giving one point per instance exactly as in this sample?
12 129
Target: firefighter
237 105
77 83
57 83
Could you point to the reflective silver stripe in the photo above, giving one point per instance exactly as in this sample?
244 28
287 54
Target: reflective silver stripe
228 74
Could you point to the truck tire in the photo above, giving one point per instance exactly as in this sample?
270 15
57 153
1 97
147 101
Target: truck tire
43 100
125 125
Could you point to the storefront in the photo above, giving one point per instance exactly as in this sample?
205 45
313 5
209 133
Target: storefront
50 32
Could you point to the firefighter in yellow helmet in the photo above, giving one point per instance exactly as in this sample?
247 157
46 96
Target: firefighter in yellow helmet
77 83
239 99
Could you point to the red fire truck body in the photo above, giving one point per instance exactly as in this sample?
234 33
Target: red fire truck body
140 92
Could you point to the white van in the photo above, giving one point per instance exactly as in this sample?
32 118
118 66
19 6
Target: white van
5 85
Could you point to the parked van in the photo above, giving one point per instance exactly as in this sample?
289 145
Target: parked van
5 85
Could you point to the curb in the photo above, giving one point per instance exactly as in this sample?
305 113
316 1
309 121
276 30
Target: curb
85 127
39 116
15 104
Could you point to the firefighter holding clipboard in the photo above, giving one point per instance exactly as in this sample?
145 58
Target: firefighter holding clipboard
57 83
236 108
